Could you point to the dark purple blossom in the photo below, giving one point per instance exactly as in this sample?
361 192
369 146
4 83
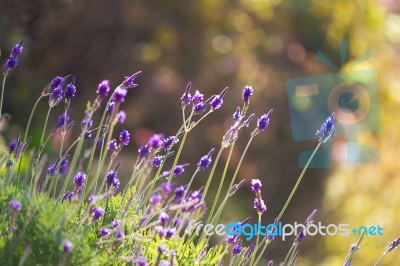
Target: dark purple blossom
155 199
112 180
57 81
15 205
79 179
166 188
113 145
104 232
199 108
110 107
86 123
119 95
17 49
247 93
12 146
67 246
64 166
231 239
179 169
157 161
124 137
186 98
119 233
168 142
256 185
216 102
156 141
263 122
260 206
179 192
103 89
236 115
55 96
144 150
129 80
121 117
12 61
161 249
205 161
236 250
327 129
159 230
163 217
70 91
62 119
68 195
51 171
116 223
197 97
141 262
98 213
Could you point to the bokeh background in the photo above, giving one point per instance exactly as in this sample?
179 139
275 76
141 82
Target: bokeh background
226 43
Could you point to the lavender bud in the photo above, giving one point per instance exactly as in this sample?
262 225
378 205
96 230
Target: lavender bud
103 89
67 246
116 223
55 96
70 91
205 161
163 217
141 262
124 137
256 185
166 188
68 195
113 145
186 98
197 98
216 102
263 122
57 81
62 119
104 232
161 249
156 141
98 213
327 129
236 250
247 93
260 206
199 108
110 107
179 192
79 179
119 95
155 199
157 161
143 151
15 205
88 124
121 117
159 230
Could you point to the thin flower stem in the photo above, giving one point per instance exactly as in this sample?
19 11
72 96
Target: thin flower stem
298 182
2 92
258 239
45 125
350 255
267 241
380 258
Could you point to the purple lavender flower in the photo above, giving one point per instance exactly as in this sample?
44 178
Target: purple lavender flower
119 233
168 142
62 119
156 141
263 122
12 146
159 230
68 195
104 232
116 223
165 263
161 249
166 188
163 217
86 123
67 246
112 180
103 89
199 108
205 161
121 117
129 80
110 107
256 185
216 102
98 213
51 171
260 206
57 81
179 169
155 199
236 250
197 97
119 95
170 232
70 91
79 179
12 61
124 137
157 161
179 192
186 98
17 49
247 93
64 166
15 205
231 239
113 145
55 96
143 151
141 262
236 115
393 245
327 129
91 198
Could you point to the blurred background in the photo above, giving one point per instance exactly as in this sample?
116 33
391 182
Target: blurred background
216 44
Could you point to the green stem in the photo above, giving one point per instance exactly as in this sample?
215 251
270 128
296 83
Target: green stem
258 239
45 125
380 258
2 91
298 182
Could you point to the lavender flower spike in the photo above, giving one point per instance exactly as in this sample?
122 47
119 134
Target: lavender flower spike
103 89
247 93
67 246
327 129
263 122
217 101
15 205
12 61
205 161
186 98
256 185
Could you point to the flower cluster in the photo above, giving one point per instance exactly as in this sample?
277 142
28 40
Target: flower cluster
259 204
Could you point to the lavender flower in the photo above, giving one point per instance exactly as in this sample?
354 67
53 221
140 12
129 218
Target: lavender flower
170 232
91 198
57 81
103 89
113 145
236 250
104 232
51 171
236 115
247 93
231 239
155 199
263 122
393 245
124 137
70 91
110 107
12 61
159 230
156 141
327 129
141 262
166 188
112 180
121 117
143 151
161 249
157 161
64 166
205 161
179 169
68 195
256 185
119 95
217 101
79 179
55 96
12 146
116 223
67 246
186 98
86 123
165 263
15 205
168 142
98 213
197 97
179 192
62 120
119 234
163 217
259 205
199 108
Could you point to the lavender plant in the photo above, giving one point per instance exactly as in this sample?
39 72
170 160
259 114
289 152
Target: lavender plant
72 208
